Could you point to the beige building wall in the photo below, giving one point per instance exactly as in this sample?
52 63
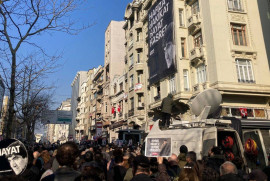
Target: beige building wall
113 61
240 71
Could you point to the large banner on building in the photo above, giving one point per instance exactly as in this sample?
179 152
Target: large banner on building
161 44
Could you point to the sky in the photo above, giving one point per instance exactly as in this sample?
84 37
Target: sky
84 51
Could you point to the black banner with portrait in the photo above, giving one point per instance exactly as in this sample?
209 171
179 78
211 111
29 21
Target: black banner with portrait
161 44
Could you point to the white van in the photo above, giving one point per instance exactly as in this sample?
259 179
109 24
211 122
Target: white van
201 134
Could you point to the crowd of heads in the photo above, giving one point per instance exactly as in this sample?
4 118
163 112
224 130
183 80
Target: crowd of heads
93 162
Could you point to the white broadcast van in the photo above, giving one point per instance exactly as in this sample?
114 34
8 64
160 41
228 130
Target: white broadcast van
201 134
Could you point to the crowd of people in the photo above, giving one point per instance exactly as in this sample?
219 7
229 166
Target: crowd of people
75 162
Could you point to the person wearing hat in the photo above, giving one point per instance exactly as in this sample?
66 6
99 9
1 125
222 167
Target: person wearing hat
141 169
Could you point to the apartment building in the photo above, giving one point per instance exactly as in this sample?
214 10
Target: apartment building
135 65
118 98
218 44
113 66
96 116
80 128
80 77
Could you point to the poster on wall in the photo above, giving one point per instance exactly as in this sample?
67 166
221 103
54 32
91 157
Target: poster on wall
161 44
158 147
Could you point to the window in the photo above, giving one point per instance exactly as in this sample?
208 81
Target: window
106 107
195 8
114 89
186 80
172 84
201 74
198 41
181 18
239 34
132 103
234 5
131 60
138 57
140 77
131 82
121 86
183 47
244 71
131 41
138 35
157 92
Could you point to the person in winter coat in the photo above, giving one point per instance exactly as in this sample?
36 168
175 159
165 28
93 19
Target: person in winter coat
66 157
166 109
228 171
118 172
182 156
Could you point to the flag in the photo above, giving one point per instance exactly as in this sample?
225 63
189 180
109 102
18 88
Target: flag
113 110
243 112
119 108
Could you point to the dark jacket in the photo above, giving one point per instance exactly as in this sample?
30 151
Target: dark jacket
215 162
230 177
173 169
167 104
31 174
141 177
182 160
63 174
163 175
117 173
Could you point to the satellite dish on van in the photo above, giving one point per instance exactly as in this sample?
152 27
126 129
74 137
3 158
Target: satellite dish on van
209 97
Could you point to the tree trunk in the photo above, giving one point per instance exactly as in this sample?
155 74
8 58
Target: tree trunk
11 98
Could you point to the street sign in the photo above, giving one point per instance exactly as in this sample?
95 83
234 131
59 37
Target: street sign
57 117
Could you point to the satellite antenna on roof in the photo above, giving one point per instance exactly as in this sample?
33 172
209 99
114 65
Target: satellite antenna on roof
205 103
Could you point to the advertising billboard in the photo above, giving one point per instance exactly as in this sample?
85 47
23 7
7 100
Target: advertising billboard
161 44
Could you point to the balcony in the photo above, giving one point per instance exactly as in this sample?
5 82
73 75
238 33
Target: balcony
138 88
138 25
193 21
131 112
139 66
197 53
138 45
200 87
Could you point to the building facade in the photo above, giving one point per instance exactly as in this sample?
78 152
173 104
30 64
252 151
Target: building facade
80 77
218 44
113 67
135 65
